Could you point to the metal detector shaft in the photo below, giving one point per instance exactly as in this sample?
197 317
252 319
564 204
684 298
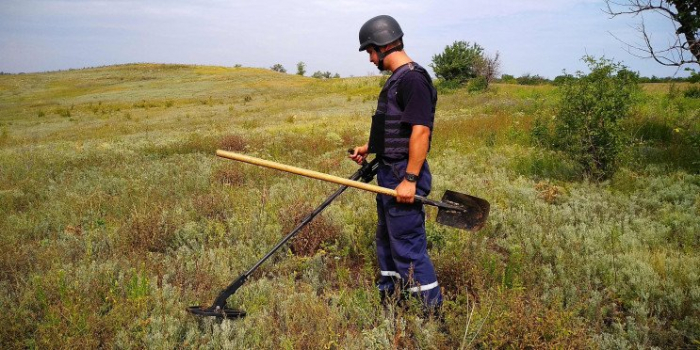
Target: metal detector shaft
365 174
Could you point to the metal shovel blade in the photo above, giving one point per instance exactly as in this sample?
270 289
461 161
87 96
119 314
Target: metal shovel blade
472 216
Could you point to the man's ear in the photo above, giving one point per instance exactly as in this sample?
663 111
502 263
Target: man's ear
391 45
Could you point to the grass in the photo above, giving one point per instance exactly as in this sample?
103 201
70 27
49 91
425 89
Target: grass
115 215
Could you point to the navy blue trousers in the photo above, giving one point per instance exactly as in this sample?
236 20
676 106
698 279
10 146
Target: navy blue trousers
401 241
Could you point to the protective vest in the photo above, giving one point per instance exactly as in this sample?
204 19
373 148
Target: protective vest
389 137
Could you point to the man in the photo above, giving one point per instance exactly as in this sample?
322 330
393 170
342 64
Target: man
400 136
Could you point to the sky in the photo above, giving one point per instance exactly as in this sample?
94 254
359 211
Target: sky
537 37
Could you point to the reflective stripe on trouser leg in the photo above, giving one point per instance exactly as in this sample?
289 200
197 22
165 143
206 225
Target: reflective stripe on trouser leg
390 274
423 288
401 238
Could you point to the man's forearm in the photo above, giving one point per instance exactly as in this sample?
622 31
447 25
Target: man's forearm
418 148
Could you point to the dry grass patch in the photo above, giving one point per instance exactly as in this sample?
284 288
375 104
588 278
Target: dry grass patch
149 229
229 174
210 206
233 143
521 320
319 232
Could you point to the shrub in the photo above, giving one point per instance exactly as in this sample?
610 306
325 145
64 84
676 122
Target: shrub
210 206
529 79
692 92
540 135
560 80
232 142
478 84
586 127
229 175
278 68
508 79
150 228
325 75
446 86
458 62
301 68
694 76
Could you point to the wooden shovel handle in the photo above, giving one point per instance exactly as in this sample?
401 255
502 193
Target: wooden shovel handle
306 172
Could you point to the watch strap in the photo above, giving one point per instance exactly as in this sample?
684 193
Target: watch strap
411 177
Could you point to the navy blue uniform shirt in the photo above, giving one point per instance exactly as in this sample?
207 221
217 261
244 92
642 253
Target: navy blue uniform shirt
415 98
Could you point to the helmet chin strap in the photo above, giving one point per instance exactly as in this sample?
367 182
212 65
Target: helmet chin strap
381 55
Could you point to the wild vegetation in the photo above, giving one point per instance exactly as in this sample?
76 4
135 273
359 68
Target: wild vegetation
463 63
589 116
115 215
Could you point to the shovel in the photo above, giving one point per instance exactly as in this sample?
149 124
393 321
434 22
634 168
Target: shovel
455 210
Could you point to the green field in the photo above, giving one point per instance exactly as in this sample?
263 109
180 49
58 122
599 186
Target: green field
115 215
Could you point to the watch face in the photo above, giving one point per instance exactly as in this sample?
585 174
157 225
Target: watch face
411 177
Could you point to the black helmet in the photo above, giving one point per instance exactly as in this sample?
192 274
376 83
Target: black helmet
379 31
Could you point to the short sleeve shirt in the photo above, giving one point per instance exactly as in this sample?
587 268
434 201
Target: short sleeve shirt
415 98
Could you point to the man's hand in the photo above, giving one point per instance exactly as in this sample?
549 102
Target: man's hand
359 154
406 192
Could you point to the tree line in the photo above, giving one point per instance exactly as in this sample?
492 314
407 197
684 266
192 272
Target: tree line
301 70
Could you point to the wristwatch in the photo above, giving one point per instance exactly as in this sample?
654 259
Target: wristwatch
411 177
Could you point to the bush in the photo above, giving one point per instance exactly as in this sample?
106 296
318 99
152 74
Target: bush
278 68
586 127
478 84
692 92
458 62
560 80
508 79
301 68
529 79
233 143
446 86
324 75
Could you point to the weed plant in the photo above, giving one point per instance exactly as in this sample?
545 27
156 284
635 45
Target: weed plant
587 125
115 215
